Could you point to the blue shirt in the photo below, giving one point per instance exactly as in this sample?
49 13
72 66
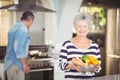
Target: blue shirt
18 42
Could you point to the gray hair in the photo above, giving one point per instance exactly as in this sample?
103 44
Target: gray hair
82 16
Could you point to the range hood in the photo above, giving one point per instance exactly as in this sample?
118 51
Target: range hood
24 5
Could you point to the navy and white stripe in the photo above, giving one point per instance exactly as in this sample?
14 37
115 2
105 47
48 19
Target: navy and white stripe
69 51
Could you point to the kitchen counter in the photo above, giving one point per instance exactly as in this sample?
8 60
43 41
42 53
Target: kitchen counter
108 77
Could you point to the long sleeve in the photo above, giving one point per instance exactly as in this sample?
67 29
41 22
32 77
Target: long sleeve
20 44
98 57
63 58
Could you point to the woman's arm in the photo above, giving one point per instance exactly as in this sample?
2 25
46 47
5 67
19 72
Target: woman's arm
63 57
98 67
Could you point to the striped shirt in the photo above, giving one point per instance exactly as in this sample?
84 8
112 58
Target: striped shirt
69 51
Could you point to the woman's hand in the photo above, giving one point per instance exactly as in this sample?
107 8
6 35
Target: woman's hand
73 66
77 61
96 68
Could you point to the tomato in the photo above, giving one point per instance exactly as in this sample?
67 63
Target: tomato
90 63
93 60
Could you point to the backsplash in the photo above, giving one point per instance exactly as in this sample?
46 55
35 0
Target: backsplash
2 51
42 48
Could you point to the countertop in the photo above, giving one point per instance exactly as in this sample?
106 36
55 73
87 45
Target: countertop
108 77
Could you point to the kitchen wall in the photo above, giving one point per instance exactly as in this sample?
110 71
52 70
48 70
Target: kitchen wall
36 30
61 26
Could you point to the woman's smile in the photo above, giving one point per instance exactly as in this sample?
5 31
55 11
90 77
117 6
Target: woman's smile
82 28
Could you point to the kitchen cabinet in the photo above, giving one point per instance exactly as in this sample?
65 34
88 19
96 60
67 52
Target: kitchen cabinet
113 42
113 64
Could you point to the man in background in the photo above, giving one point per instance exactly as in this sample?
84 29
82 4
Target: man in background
17 48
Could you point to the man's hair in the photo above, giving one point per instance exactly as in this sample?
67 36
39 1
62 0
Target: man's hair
27 15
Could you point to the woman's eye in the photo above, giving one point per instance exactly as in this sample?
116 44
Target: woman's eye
79 26
82 26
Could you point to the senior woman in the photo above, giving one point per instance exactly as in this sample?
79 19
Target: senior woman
77 47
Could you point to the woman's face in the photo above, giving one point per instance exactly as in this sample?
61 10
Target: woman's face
82 28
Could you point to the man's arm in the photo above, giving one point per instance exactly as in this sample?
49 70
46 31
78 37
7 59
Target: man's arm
25 64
